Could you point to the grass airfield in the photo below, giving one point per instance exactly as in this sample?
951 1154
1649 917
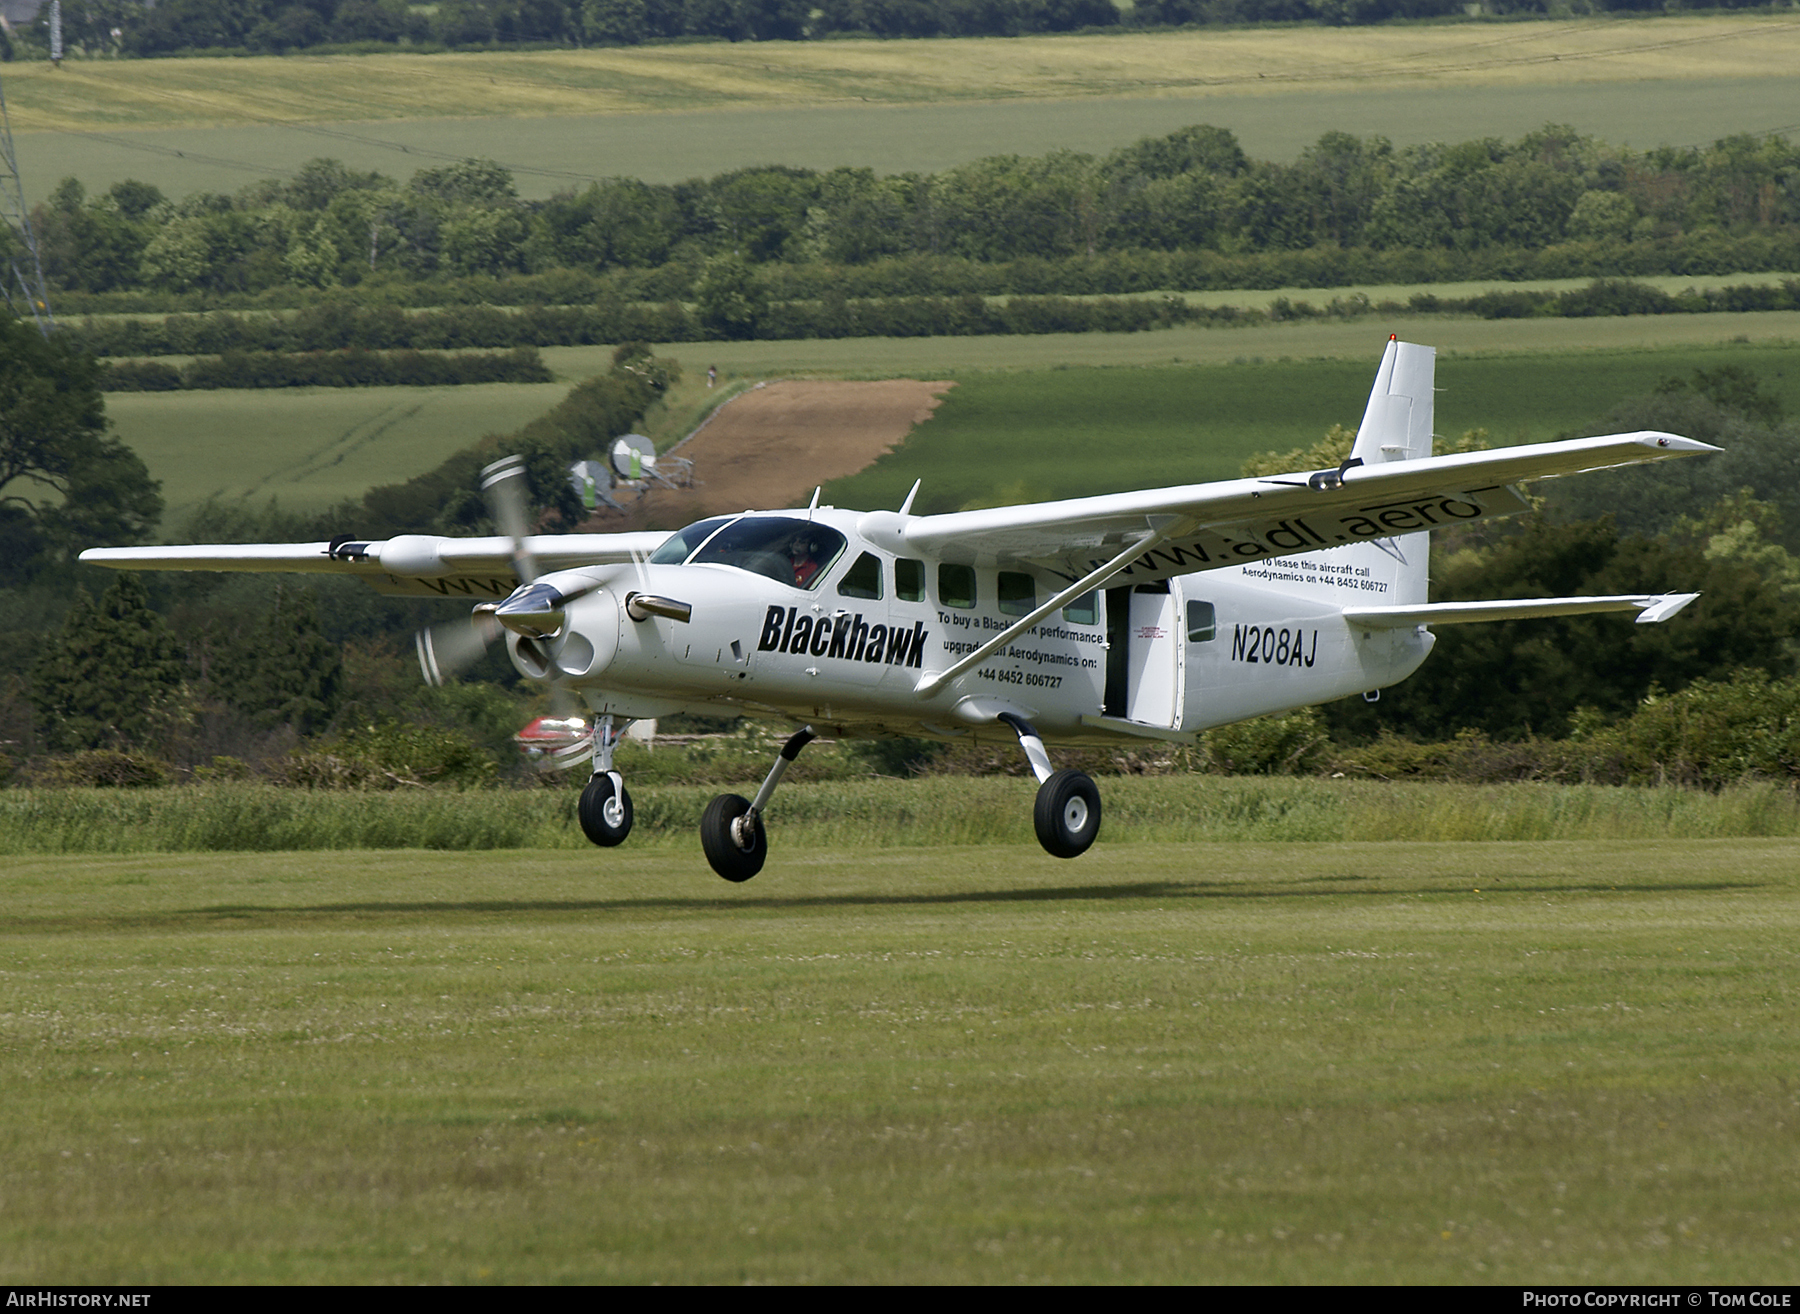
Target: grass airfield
1375 1062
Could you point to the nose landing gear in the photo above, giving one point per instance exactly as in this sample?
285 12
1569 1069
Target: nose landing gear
605 807
731 829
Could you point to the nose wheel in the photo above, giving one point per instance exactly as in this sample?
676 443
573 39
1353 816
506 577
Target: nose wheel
605 810
605 807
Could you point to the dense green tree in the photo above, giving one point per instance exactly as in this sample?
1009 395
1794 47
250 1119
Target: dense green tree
1344 205
729 299
1726 407
282 671
615 22
64 482
1521 677
92 245
111 675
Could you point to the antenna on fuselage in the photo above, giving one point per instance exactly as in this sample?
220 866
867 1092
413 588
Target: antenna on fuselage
813 505
906 506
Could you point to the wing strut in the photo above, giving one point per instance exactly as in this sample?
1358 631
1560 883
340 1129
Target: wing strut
1162 529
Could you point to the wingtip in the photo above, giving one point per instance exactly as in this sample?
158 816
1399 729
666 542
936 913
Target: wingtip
1674 442
1664 607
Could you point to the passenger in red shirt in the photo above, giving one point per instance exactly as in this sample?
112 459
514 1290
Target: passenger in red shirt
803 556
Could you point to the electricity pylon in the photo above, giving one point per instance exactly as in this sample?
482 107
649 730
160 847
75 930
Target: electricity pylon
25 280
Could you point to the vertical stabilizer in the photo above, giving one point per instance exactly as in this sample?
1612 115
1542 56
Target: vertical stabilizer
1396 426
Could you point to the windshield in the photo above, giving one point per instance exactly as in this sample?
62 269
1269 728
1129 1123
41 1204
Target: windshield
796 552
679 546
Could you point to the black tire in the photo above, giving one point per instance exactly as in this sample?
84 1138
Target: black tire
1067 814
729 858
603 821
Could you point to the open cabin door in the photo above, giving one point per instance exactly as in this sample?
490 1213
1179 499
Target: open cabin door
1143 655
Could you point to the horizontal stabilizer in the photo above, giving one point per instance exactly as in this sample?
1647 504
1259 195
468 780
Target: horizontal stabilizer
1651 608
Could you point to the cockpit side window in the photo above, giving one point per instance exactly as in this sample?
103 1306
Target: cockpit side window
680 545
863 579
909 580
795 552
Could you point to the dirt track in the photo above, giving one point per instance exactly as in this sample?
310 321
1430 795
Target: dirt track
771 446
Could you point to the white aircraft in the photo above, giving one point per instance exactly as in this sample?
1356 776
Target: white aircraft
1143 615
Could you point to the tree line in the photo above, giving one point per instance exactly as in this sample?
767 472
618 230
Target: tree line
1185 210
355 367
342 344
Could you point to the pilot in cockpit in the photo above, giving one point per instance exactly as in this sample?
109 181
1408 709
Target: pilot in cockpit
803 556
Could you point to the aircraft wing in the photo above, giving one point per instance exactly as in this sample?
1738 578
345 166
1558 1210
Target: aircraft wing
1207 526
419 565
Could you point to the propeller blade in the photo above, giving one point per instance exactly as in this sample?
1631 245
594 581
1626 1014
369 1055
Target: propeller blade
504 484
565 702
448 648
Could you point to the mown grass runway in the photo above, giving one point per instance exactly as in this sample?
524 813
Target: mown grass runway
1382 1062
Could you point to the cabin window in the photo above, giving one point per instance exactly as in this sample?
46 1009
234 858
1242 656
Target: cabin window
863 579
1018 593
956 586
1202 622
796 552
909 580
1085 610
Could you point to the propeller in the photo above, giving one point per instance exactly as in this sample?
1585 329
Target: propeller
536 611
453 646
504 484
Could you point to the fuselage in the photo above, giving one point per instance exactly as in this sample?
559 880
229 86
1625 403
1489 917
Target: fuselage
812 618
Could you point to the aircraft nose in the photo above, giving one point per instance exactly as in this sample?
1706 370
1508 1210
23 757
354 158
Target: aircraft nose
533 611
582 642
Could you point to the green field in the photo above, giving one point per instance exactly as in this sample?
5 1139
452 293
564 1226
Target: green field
1041 416
667 113
310 447
1022 436
1343 1062
1302 340
129 94
552 154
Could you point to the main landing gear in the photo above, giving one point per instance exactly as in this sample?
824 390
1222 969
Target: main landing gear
731 829
605 807
1067 812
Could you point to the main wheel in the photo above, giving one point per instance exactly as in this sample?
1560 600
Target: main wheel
605 813
1067 814
732 859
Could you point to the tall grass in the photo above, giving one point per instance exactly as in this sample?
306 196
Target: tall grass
875 814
